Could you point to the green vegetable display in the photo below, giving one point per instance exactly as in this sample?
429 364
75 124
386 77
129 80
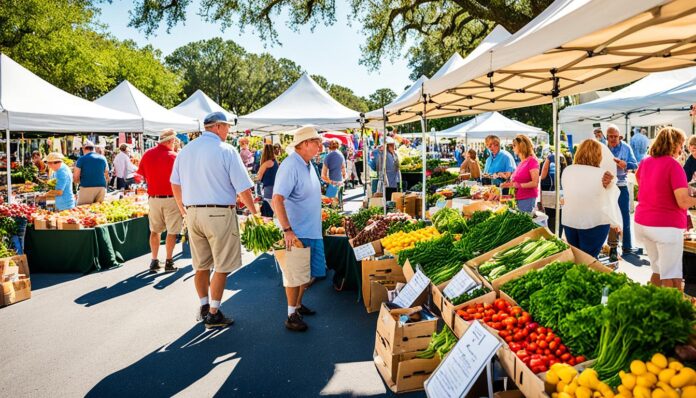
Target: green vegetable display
462 191
405 226
357 222
440 344
470 296
260 236
449 220
333 219
522 288
527 252
639 321
495 231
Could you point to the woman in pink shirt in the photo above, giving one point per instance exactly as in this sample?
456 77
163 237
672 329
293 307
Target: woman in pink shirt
661 213
525 179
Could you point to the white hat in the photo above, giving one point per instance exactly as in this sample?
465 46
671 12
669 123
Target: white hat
390 141
88 144
302 134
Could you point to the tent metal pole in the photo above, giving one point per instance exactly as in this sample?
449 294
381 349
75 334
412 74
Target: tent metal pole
385 179
424 126
628 135
557 160
9 168
364 150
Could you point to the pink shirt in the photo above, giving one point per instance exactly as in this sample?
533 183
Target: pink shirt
657 180
523 175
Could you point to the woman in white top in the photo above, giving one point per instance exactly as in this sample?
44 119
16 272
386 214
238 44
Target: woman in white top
590 199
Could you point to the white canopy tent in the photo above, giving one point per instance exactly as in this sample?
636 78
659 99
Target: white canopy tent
573 46
485 124
127 98
410 96
305 102
198 106
647 102
29 103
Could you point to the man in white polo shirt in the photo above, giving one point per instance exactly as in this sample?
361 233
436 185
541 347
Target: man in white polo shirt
208 175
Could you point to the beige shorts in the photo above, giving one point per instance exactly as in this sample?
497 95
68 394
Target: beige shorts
89 195
164 216
295 265
214 238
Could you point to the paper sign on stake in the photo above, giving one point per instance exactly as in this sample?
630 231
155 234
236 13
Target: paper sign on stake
364 251
460 284
460 369
413 289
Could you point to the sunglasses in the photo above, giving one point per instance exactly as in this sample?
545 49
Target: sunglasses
54 161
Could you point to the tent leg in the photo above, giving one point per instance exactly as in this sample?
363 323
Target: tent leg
364 150
424 159
628 135
385 179
9 169
557 157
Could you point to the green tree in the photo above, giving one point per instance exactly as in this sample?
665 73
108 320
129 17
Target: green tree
388 24
381 97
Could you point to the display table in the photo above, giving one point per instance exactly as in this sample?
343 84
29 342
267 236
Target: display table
340 258
87 250
410 178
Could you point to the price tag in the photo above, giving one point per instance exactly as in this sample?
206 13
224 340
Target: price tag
364 251
460 284
413 289
461 368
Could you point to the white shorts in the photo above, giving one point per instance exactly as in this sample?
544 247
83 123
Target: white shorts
665 247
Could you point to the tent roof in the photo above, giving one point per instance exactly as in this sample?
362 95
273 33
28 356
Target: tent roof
303 103
410 96
127 98
489 123
455 64
29 103
637 96
198 106
573 46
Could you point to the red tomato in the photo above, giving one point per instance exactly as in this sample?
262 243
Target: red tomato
487 305
534 336
518 336
508 340
572 361
471 310
541 330
543 344
580 359
478 315
504 333
496 325
532 347
514 347
516 311
563 349
557 340
501 304
565 357
524 319
547 352
550 337
553 345
495 318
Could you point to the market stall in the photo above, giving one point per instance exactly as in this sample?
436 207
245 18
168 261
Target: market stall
198 105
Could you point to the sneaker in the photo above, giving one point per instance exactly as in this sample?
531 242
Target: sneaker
613 255
217 320
154 265
304 310
169 266
203 312
632 250
295 323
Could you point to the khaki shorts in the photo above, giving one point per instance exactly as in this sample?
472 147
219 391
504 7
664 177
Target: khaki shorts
164 215
214 238
89 195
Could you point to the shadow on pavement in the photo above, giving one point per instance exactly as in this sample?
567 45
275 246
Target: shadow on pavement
257 356
42 281
133 283
636 260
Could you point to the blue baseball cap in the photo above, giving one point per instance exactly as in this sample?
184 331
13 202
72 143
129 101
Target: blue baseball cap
217 117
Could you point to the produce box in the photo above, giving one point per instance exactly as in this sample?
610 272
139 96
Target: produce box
68 226
572 254
399 199
447 309
376 246
408 337
376 201
508 394
15 265
403 371
478 205
16 291
43 224
460 326
413 205
534 234
378 278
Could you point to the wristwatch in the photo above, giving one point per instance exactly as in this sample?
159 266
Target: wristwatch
288 229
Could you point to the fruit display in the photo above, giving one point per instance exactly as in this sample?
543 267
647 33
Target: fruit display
399 241
17 210
331 218
357 222
377 227
95 214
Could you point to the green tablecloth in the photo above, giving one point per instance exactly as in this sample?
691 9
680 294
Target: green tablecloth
340 258
87 250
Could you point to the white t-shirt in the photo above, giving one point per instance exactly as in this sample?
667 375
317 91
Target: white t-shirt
587 203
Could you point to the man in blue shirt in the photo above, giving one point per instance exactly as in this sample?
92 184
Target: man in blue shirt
625 161
334 170
458 155
639 144
92 172
208 175
297 203
65 200
500 164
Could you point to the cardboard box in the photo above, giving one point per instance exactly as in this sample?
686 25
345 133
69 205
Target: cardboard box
68 227
409 337
536 233
376 244
448 310
478 205
16 291
410 373
460 325
378 277
438 296
398 198
42 224
10 267
408 359
508 394
413 205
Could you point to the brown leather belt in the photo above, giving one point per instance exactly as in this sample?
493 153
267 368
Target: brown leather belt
217 206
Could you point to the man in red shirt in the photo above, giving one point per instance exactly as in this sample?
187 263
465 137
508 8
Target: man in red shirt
156 166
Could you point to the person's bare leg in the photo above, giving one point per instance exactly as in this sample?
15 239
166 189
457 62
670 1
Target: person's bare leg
170 243
675 283
293 293
217 287
202 281
154 244
301 291
655 279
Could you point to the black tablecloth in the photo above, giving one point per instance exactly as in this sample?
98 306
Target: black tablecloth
87 250
340 258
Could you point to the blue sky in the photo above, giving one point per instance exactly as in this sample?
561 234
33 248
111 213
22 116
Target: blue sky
331 51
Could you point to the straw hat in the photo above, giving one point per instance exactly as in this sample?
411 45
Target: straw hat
54 157
167 135
302 134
